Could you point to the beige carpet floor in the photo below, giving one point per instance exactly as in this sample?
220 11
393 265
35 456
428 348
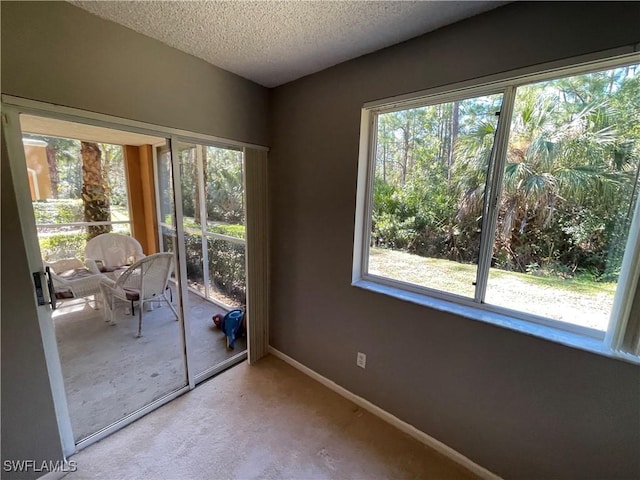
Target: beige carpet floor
265 421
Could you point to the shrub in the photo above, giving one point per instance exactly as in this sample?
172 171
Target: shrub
237 231
227 268
58 211
62 245
227 271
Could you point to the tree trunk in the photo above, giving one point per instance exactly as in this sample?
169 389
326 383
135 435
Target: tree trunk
94 196
205 182
384 162
196 185
106 170
53 170
383 141
405 158
411 140
455 126
405 154
443 133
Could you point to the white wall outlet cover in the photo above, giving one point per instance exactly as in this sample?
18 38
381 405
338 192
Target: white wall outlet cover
361 360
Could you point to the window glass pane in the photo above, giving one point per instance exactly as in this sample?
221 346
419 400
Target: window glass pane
569 189
187 157
165 186
193 249
227 272
189 178
428 193
224 191
225 215
215 264
72 182
168 240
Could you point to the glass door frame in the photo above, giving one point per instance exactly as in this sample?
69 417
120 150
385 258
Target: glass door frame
12 108
180 240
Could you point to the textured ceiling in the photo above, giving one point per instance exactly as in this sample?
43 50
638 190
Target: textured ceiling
274 42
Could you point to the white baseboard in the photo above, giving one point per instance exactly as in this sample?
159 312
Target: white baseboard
389 418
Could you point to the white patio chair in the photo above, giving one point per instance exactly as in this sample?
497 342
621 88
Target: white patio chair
110 251
71 279
144 281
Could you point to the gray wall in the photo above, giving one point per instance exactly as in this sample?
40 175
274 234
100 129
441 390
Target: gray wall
518 405
57 53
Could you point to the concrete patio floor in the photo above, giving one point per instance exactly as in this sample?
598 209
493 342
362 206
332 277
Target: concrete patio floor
108 373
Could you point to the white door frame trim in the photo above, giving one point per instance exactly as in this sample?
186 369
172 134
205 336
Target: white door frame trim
17 162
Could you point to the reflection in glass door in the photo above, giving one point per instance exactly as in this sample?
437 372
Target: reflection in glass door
86 181
165 200
213 220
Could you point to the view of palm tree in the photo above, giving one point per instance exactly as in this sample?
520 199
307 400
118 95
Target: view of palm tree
87 184
568 192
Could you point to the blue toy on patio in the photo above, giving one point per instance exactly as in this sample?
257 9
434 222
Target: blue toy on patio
232 325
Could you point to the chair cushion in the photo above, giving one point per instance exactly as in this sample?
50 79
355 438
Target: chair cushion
63 293
113 268
76 273
132 294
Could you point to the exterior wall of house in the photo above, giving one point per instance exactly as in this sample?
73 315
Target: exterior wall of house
55 52
35 154
520 406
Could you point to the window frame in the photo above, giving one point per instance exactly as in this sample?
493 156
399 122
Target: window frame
505 84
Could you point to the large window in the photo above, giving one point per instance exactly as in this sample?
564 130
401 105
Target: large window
516 198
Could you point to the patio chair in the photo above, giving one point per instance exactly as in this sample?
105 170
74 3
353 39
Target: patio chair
71 279
143 282
110 251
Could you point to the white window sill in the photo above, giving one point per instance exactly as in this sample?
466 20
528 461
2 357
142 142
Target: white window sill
569 339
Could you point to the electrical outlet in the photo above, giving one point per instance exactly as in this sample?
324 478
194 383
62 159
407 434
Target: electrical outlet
361 360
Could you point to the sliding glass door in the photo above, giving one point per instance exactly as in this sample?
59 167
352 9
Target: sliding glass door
91 190
212 217
77 176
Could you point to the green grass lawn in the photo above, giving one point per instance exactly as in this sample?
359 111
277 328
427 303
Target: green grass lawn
119 213
575 300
